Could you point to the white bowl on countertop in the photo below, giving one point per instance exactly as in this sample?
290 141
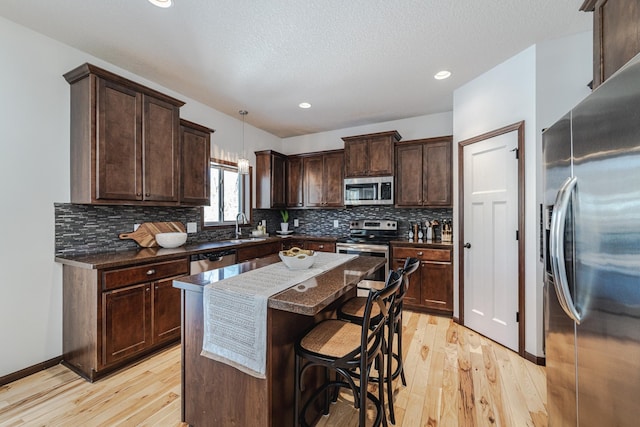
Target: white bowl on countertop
301 261
171 240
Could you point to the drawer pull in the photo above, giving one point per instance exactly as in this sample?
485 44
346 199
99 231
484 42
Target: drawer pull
321 246
151 271
419 254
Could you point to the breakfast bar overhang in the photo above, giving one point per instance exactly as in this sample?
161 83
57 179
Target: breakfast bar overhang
216 394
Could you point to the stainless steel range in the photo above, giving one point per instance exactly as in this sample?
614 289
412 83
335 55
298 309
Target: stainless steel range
370 237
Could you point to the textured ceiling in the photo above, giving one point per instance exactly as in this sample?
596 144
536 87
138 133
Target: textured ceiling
357 62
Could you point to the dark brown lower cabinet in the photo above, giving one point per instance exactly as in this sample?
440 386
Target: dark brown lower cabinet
430 286
113 316
166 311
127 320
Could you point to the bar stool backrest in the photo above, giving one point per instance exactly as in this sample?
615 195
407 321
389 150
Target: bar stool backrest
373 327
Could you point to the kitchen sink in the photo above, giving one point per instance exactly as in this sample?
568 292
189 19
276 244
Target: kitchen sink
248 239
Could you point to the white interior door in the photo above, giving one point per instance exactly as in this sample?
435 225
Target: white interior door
490 179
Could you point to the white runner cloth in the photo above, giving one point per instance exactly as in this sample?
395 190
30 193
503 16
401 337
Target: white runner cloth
235 311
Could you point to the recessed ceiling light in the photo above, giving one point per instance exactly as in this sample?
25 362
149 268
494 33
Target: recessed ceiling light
304 105
444 74
161 3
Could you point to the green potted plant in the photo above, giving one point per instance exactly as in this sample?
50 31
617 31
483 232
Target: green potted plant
284 225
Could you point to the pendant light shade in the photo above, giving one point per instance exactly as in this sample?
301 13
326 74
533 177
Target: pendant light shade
243 162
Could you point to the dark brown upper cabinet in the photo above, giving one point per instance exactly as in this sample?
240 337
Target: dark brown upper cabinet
370 155
295 185
324 179
616 35
270 179
124 140
195 153
423 173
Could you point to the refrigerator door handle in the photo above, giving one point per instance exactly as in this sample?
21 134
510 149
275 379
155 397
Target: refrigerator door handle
556 248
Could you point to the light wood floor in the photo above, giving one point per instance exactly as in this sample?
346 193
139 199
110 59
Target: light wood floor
455 377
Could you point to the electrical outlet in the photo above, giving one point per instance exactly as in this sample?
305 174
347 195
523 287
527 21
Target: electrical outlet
335 223
135 226
192 227
296 223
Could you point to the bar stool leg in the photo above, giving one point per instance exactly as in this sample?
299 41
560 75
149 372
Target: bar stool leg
389 374
296 404
400 356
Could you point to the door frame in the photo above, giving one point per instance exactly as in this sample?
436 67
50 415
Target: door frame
519 128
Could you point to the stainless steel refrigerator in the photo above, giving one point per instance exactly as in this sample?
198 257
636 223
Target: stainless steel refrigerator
592 257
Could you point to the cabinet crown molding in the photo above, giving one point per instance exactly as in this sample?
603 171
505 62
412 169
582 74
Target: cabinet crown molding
86 69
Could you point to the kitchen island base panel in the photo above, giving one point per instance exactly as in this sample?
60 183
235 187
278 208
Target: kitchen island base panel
216 394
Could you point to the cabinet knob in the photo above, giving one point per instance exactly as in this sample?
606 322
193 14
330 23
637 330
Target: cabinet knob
138 194
321 246
151 271
148 289
419 254
156 287
147 194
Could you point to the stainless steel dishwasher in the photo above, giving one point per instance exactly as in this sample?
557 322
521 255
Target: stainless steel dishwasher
211 260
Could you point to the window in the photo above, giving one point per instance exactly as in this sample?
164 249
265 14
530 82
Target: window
227 195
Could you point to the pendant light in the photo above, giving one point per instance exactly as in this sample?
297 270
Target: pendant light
243 162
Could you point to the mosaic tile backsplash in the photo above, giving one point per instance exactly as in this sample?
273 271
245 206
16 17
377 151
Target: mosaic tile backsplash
86 229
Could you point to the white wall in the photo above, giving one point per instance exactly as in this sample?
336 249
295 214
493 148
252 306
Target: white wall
34 173
563 70
412 128
537 86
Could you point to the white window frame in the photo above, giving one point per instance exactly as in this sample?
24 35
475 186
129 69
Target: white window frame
244 199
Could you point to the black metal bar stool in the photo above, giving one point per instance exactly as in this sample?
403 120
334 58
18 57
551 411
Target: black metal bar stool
345 347
353 309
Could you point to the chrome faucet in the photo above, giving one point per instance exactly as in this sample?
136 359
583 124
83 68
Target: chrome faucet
242 217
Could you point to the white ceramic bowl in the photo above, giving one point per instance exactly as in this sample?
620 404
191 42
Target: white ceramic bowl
298 262
171 240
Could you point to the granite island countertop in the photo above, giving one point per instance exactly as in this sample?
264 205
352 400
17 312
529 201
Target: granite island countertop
308 297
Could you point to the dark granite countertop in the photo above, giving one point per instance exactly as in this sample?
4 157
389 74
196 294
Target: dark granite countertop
144 255
307 298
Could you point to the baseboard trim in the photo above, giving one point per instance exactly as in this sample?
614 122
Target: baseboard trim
538 360
30 370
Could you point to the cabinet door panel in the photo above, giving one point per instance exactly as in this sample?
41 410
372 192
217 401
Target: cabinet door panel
333 179
313 184
160 163
437 289
166 311
409 173
278 182
119 143
356 158
294 183
194 167
381 156
436 181
126 321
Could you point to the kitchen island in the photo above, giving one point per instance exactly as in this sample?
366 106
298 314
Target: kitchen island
216 394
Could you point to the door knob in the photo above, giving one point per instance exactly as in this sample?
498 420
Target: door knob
467 245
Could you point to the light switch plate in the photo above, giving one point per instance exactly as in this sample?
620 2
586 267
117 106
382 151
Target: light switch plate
335 223
192 227
296 223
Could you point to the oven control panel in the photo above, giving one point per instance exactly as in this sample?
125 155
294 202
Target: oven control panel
377 224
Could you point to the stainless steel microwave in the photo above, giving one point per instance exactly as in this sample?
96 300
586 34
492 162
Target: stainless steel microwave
368 191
